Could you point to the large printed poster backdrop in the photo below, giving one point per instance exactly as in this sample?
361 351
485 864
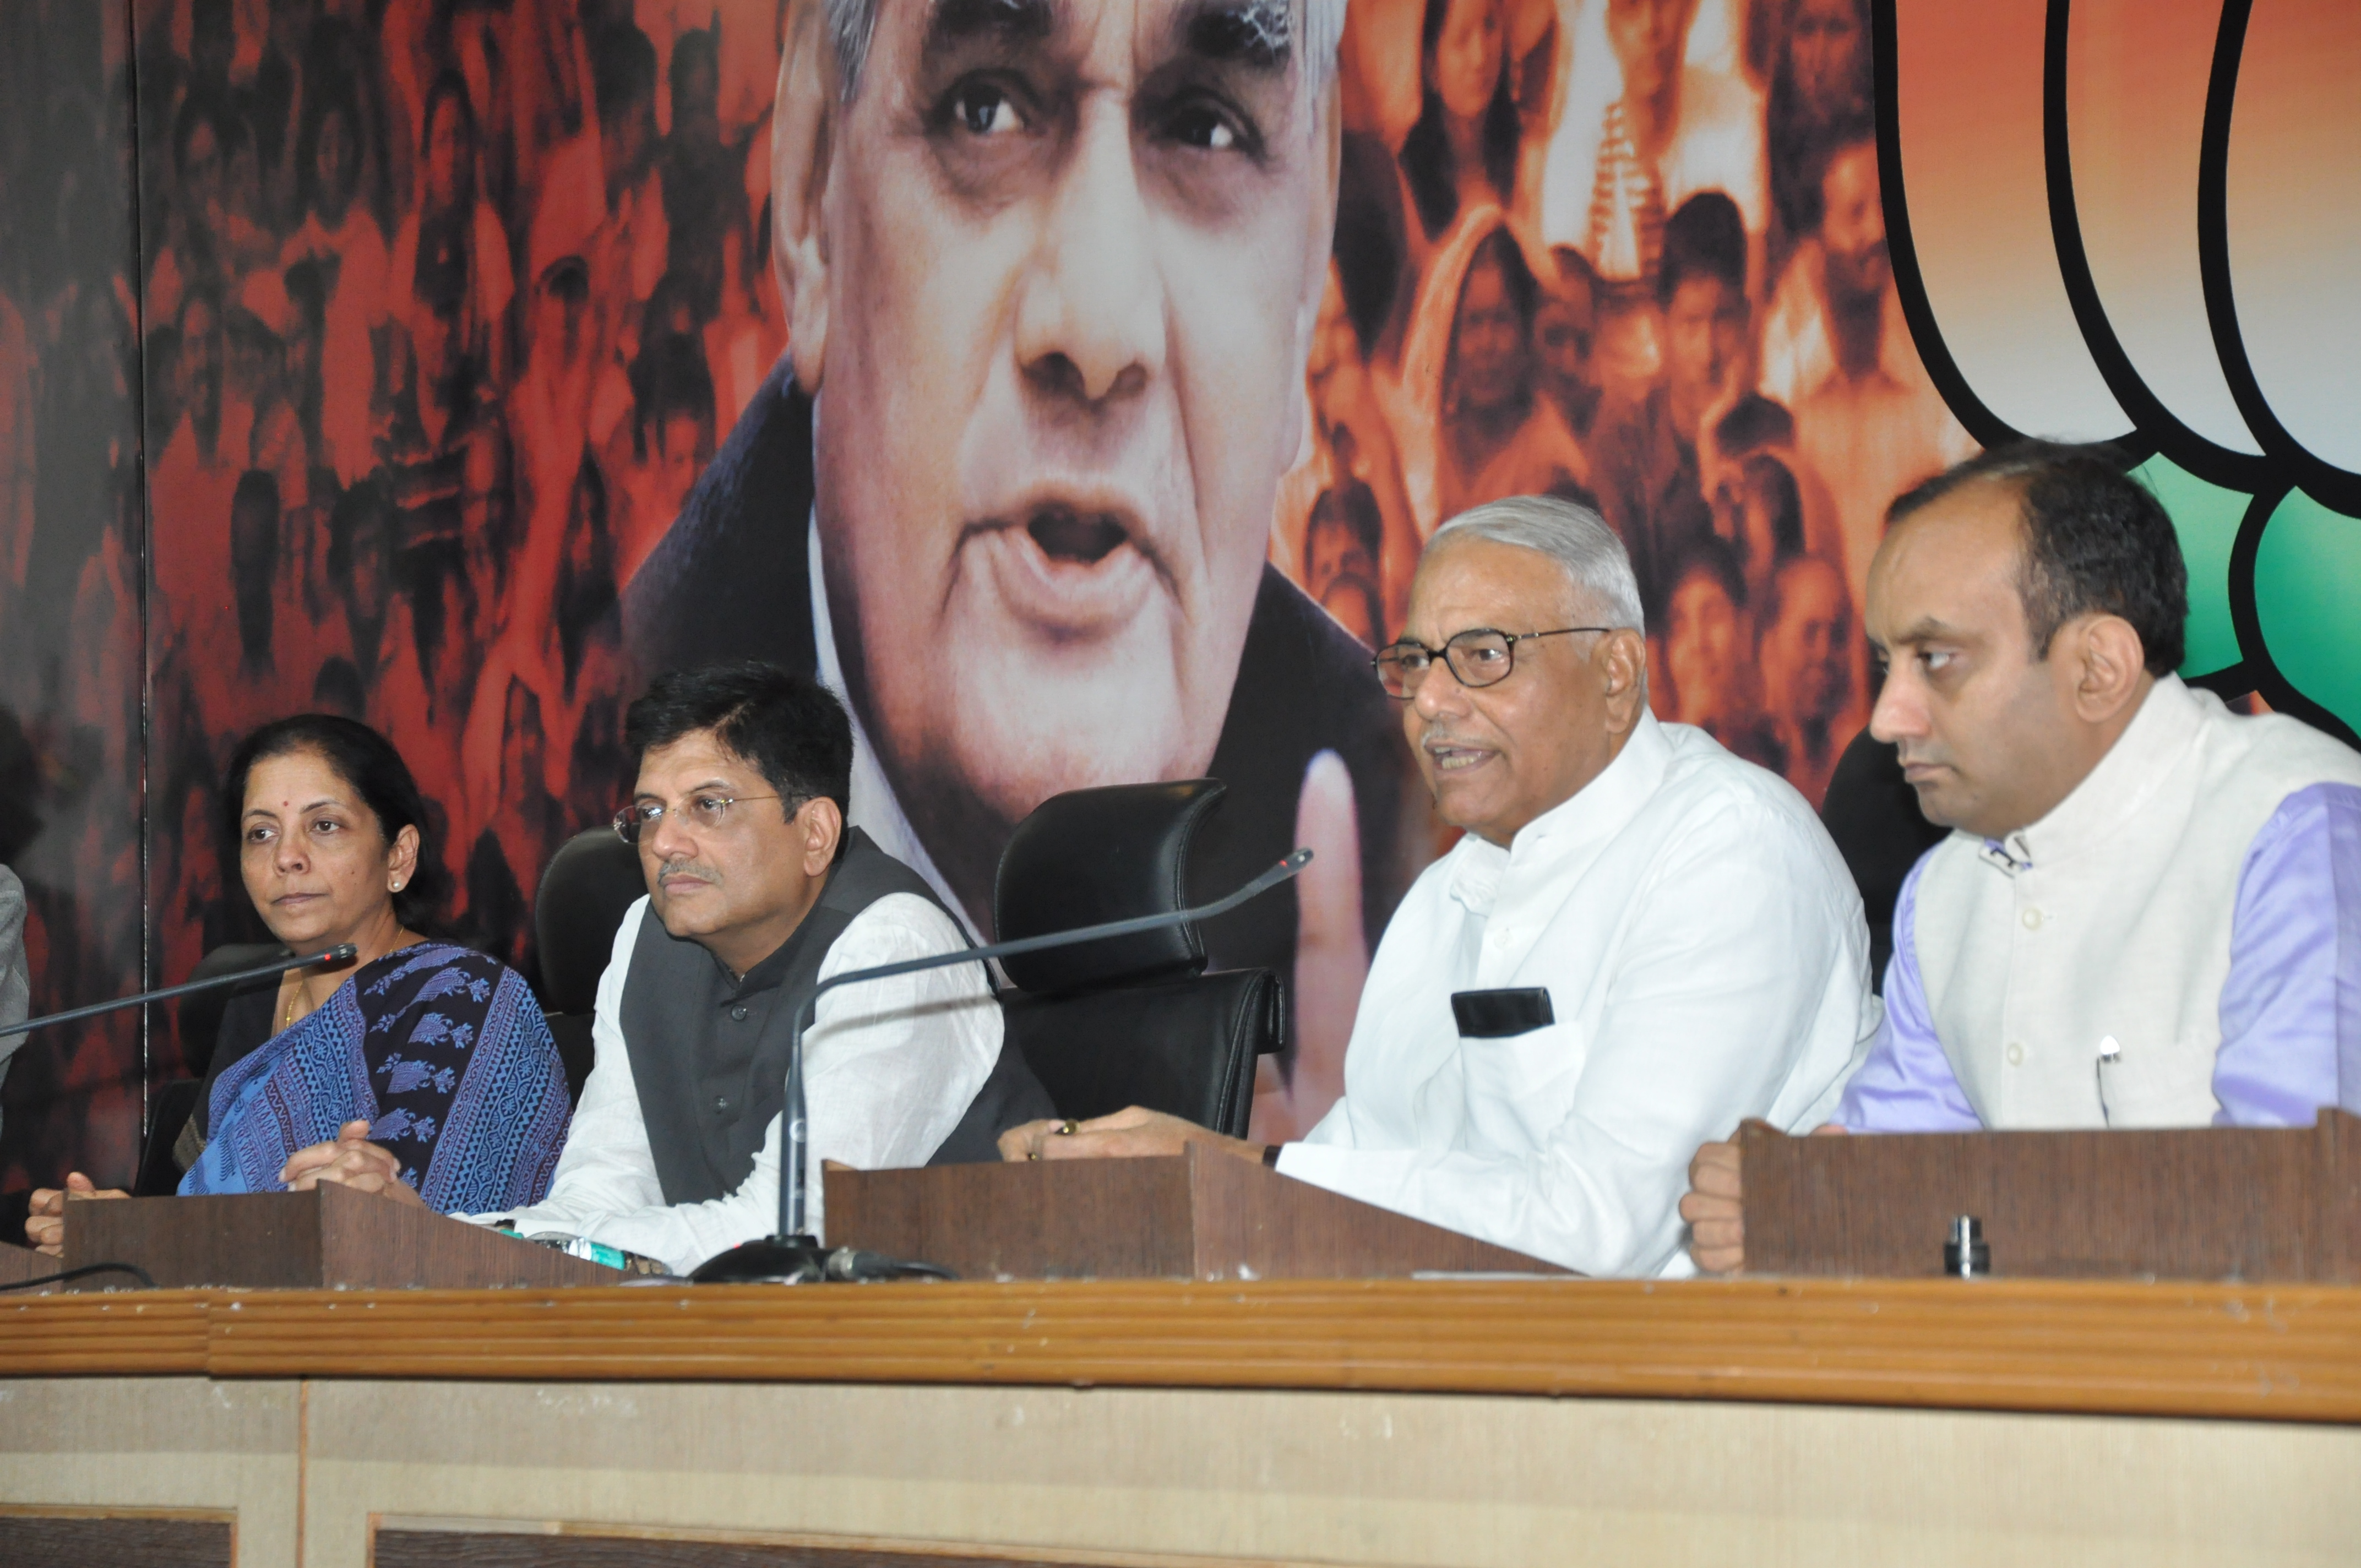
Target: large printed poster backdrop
1072 291
1066 385
71 561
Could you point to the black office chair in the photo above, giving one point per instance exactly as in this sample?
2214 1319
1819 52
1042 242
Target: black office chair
171 1103
1873 814
586 890
1134 1021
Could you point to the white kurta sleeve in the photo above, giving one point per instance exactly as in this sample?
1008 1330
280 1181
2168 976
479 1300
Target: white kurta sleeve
1737 990
606 1165
889 1068
1335 1128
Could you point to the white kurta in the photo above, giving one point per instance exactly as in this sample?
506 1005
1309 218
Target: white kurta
889 1068
1707 961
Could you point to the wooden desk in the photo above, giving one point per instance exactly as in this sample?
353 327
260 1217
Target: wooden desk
1437 1421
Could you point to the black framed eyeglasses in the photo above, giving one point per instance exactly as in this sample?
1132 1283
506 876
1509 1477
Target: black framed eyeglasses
1478 657
709 809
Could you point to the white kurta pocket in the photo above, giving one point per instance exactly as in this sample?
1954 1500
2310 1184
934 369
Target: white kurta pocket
1522 1087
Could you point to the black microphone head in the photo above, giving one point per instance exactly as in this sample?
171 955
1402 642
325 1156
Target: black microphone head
342 953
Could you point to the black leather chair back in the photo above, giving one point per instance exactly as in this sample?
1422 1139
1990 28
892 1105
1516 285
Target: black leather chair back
199 1015
171 1102
586 890
1134 1021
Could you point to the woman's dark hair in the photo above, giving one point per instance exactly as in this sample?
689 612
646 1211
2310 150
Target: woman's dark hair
669 377
449 86
793 730
338 100
1368 249
1705 237
1352 507
254 531
586 593
1501 250
1709 555
207 111
1775 482
445 237
1799 131
367 761
692 50
1426 158
2096 541
622 70
1361 588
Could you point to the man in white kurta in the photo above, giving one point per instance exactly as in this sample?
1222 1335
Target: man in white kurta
1700 945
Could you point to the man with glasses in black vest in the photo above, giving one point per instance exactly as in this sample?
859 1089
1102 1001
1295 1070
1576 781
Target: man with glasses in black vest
757 892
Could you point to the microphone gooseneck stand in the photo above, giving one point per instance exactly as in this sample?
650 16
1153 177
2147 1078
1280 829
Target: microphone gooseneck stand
342 953
794 1257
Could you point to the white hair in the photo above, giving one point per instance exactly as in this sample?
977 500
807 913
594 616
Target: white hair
1574 536
852 23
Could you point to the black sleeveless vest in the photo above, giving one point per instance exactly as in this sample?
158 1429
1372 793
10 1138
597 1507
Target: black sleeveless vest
709 1056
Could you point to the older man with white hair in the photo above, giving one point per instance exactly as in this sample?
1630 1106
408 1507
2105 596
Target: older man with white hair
1638 938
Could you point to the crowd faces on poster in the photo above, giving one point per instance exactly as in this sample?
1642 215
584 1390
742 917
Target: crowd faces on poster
1138 352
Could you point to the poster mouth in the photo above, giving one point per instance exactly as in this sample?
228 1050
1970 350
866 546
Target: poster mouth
1073 568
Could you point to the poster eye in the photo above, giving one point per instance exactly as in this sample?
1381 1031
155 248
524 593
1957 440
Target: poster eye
983 109
1203 124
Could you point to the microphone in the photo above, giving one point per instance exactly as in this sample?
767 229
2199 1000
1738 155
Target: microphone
342 953
793 1256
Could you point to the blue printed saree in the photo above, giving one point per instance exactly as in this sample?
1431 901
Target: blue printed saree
443 1051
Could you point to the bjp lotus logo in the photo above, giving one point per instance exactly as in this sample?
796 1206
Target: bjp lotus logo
2139 222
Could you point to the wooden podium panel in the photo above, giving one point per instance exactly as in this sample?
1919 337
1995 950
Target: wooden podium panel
329 1238
1199 1215
21 1263
2241 1203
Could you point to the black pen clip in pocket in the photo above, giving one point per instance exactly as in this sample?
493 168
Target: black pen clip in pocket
1501 1015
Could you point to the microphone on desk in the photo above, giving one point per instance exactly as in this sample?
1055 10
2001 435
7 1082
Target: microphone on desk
342 953
793 1256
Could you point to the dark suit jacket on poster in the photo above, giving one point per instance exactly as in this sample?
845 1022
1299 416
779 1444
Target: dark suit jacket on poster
732 580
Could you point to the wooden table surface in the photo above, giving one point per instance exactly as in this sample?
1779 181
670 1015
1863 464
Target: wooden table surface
2243 1352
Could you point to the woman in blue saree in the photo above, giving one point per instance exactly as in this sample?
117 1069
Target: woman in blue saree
422 1070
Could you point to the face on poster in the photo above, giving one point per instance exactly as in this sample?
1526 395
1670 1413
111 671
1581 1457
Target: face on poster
1066 260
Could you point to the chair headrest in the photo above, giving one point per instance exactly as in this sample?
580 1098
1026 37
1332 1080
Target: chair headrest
200 1014
586 890
1095 855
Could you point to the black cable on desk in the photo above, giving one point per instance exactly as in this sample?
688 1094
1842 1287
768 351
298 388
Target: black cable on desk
144 1277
